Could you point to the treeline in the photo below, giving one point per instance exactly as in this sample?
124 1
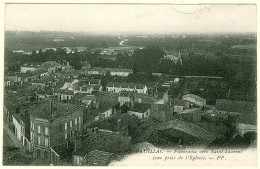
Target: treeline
240 74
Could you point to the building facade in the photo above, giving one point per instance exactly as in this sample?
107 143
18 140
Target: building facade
53 124
119 87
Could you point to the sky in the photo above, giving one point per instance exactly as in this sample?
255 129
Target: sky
108 18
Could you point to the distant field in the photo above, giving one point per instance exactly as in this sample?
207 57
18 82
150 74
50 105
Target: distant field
36 42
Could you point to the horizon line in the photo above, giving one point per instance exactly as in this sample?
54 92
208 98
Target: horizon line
134 32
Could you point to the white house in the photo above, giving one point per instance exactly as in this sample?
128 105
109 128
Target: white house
199 101
119 72
17 127
7 83
69 84
29 67
21 123
118 87
140 110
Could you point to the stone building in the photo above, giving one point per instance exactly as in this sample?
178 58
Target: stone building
53 124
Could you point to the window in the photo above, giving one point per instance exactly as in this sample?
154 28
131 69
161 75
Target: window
46 142
60 128
33 126
66 136
66 126
46 131
71 133
70 123
39 140
39 129
38 153
79 119
60 138
76 121
45 155
42 141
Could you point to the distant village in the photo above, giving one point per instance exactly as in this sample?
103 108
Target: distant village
56 115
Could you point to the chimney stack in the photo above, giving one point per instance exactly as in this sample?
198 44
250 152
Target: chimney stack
51 108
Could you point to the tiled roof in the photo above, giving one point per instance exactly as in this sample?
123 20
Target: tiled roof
151 84
62 81
89 80
140 107
96 87
86 87
106 97
14 100
60 109
68 80
43 80
95 69
79 96
159 95
117 122
89 97
45 92
103 141
67 92
50 64
19 160
178 102
144 98
247 110
92 113
39 162
188 111
188 128
97 158
126 94
40 71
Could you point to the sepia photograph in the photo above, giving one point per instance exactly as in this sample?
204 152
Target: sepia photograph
127 84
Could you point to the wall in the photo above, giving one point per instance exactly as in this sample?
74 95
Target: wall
123 74
244 128
144 115
178 109
195 101
59 132
118 89
18 129
25 69
77 159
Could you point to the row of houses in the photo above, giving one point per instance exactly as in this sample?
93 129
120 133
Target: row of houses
103 106
34 71
50 66
112 71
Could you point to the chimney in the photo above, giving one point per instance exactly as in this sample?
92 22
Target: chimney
51 108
